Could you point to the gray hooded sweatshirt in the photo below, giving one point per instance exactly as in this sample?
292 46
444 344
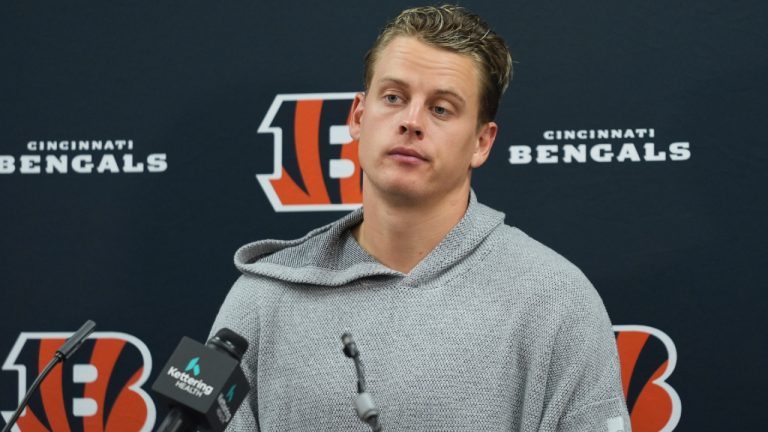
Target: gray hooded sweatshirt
492 331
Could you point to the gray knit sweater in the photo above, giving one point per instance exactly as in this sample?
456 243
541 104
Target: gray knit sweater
492 331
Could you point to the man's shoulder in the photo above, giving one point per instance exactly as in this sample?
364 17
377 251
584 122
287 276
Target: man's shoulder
518 249
527 267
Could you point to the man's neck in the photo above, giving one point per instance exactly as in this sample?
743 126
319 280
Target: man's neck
399 235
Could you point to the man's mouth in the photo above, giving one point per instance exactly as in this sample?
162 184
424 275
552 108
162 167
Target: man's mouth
406 154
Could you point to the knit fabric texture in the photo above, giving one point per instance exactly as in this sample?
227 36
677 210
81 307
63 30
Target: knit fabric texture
492 331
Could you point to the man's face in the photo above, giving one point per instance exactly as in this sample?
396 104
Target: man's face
418 123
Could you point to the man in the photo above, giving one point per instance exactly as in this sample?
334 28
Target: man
464 323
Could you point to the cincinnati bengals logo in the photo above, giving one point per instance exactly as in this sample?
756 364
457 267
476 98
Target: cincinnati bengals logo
648 357
315 159
97 390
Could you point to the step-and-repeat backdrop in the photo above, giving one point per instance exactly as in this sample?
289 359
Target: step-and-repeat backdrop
142 143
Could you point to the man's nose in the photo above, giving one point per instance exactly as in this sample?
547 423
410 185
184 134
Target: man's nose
413 122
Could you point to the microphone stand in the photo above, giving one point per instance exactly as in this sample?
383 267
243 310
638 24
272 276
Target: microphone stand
364 405
63 353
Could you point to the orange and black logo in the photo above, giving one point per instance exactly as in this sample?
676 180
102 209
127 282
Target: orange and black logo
648 357
97 389
315 159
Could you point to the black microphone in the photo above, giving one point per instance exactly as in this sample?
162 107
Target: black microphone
63 353
73 343
203 384
366 409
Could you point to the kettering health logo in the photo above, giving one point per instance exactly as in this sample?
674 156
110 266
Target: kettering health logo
624 145
193 366
224 411
231 393
82 156
184 381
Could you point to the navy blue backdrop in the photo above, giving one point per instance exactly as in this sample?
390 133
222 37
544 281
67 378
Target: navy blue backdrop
131 136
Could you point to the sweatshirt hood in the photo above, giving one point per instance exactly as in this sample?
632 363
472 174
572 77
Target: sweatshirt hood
330 256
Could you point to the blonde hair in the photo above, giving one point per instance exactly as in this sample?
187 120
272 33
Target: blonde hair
455 29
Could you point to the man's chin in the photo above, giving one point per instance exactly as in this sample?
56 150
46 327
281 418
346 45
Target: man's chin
411 191
406 195
398 193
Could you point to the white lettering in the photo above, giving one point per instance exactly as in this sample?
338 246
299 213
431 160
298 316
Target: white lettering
601 134
189 384
7 164
224 408
59 163
108 163
628 151
601 153
82 164
156 162
189 389
577 153
29 164
679 151
519 155
129 167
651 156
546 154
172 371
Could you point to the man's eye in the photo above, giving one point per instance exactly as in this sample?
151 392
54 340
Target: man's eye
392 98
440 110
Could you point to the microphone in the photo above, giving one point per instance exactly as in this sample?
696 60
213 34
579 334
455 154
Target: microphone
203 384
62 354
366 409
73 343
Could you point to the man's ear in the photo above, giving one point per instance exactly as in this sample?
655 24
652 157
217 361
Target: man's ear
356 115
485 138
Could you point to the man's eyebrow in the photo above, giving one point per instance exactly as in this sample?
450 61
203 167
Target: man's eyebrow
449 92
438 92
395 81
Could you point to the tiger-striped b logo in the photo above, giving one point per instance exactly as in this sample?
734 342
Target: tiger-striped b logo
97 389
648 357
315 159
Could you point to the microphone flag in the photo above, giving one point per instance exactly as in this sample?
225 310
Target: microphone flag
207 382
